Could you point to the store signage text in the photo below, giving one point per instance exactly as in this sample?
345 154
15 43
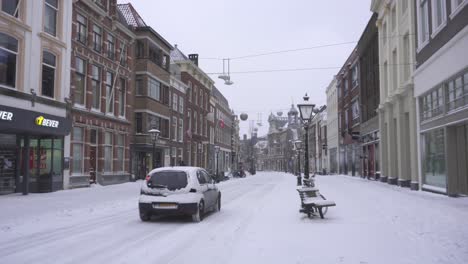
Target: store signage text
41 121
7 116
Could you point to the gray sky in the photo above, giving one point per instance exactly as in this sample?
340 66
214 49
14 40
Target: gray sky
229 29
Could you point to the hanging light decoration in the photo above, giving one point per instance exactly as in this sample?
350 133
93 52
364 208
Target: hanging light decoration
244 116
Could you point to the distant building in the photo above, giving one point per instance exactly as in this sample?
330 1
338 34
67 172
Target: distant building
332 127
441 89
368 53
397 108
349 116
223 128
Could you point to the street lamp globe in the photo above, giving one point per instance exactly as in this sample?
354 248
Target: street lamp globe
306 109
154 133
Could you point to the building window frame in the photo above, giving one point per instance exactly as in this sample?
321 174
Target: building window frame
11 50
108 151
110 92
14 13
80 73
175 102
49 66
82 29
120 152
181 130
435 12
154 89
97 38
96 87
455 9
78 142
423 23
122 97
110 46
51 9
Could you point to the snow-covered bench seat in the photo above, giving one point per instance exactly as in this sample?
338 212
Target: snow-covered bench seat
312 201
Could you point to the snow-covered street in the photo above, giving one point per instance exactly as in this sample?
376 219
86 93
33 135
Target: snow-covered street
259 223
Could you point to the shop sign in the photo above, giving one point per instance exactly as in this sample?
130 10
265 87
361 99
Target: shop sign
41 121
6 116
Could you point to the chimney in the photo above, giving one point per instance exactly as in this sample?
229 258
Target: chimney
194 58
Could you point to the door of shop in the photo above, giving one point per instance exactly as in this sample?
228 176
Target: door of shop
462 159
7 163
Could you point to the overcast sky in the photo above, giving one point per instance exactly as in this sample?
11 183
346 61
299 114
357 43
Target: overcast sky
235 28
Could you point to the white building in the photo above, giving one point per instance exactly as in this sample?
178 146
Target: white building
441 88
397 109
332 127
35 47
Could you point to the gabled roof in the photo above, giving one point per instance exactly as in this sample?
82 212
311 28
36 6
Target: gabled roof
131 16
177 55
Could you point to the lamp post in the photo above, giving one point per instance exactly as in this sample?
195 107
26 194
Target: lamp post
154 133
217 160
306 110
297 144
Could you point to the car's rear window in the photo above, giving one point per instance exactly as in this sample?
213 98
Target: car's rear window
171 180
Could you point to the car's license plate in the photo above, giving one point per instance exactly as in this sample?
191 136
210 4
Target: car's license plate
164 206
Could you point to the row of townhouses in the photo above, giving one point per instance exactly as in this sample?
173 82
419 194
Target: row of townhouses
397 111
82 83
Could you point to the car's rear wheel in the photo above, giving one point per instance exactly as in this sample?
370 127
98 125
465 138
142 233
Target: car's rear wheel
217 206
198 216
145 216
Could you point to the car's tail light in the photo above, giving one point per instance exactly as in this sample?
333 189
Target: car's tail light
148 177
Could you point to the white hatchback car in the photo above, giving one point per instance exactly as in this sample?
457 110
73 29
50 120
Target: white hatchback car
178 191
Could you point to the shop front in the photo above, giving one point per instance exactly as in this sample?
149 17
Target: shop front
31 150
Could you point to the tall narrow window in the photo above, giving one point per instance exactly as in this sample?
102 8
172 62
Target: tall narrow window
97 38
82 28
195 123
404 6
175 100
138 122
109 92
181 105
123 90
174 128
384 33
181 130
423 22
80 81
406 58
48 74
10 7
8 55
395 70
139 85
438 14
108 157
50 19
78 150
154 89
354 76
120 153
394 22
140 49
123 57
96 84
110 46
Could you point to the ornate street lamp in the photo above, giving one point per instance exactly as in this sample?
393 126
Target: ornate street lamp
306 111
154 133
298 145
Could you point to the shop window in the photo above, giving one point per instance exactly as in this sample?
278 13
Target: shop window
96 85
123 90
80 81
48 74
50 17
82 29
434 159
78 150
108 146
109 92
8 53
120 153
97 38
10 7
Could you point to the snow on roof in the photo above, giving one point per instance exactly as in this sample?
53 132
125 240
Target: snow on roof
131 15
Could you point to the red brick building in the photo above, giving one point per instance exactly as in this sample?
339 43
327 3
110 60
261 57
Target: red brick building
101 92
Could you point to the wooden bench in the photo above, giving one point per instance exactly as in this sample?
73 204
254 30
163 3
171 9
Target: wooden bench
312 201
